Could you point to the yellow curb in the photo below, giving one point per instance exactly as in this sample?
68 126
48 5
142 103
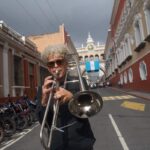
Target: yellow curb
133 105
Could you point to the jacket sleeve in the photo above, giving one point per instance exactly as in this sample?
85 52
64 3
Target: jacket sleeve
40 110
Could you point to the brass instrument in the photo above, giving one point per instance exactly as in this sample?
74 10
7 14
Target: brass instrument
84 104
46 142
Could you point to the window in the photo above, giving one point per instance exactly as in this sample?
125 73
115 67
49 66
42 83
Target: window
143 70
91 57
130 3
125 77
121 79
118 56
147 15
127 45
130 75
96 57
81 60
18 72
86 58
124 51
31 75
138 28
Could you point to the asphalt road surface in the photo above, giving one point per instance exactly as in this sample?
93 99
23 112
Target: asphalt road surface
122 124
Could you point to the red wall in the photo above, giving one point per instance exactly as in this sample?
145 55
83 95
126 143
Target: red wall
117 17
137 84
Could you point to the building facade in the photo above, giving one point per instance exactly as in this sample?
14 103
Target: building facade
127 50
22 69
92 52
61 37
19 63
43 40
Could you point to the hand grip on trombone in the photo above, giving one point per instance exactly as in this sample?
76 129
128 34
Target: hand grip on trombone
56 95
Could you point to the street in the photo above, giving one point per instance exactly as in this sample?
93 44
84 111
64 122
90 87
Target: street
122 124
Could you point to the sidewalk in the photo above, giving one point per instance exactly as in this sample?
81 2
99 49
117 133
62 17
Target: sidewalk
144 95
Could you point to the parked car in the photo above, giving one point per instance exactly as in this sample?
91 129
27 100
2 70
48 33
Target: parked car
101 84
92 85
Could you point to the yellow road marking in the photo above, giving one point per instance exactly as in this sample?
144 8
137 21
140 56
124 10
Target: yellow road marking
133 105
105 98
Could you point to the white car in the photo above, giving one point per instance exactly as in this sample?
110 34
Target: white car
93 85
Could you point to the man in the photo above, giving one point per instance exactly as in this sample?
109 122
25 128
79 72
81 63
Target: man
77 133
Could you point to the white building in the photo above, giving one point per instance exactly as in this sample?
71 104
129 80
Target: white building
90 52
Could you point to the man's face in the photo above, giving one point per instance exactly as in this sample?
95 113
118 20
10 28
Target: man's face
57 65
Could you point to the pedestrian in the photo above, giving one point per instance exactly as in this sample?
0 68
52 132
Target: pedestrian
77 134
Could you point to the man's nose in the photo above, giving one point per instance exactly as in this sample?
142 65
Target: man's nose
55 65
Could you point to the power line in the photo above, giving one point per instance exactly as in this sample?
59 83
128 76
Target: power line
44 13
34 19
55 16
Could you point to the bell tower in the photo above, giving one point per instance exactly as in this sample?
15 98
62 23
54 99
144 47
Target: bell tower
90 42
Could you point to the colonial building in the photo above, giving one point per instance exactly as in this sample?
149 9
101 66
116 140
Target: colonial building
92 51
19 63
22 69
127 50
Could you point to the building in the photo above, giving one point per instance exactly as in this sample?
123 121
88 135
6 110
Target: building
59 37
19 63
92 52
43 40
127 50
22 69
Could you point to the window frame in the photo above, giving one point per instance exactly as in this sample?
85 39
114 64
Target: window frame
130 75
143 70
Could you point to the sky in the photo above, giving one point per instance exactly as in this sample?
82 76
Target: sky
80 17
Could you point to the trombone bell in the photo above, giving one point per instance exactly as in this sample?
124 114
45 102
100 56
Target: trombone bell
85 104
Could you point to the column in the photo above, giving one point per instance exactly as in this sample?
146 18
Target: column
5 70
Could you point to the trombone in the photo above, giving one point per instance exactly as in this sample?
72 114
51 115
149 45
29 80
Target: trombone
47 141
84 104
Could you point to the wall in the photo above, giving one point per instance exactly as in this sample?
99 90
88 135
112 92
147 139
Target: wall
137 84
42 41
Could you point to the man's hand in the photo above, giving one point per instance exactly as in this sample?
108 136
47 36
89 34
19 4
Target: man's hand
63 95
60 93
46 89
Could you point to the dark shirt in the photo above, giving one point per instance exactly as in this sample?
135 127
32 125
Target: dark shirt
77 136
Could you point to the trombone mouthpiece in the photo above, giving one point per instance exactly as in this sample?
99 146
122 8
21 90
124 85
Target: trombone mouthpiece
57 73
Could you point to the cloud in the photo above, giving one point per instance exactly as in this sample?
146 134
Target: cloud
31 17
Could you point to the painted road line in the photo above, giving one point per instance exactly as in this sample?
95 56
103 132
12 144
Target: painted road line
106 98
133 105
121 139
130 96
118 97
14 141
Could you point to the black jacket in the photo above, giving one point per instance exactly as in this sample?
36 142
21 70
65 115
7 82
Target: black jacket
78 136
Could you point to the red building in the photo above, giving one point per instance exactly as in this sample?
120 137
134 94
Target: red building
127 50
19 63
